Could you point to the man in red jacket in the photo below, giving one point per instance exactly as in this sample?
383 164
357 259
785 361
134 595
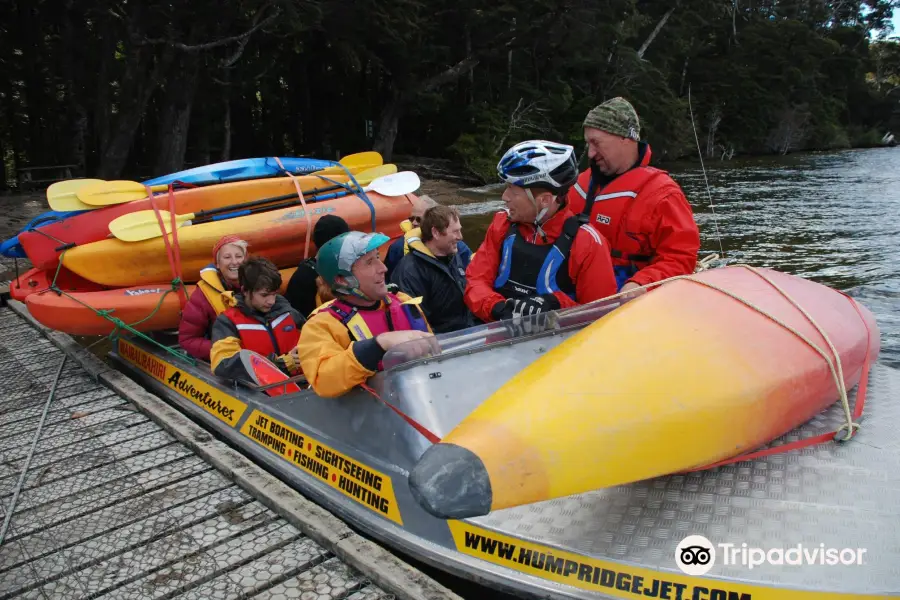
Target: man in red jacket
639 209
536 256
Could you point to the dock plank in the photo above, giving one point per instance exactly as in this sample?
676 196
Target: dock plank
56 538
272 568
112 506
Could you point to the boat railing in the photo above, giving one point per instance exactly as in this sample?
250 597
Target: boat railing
508 332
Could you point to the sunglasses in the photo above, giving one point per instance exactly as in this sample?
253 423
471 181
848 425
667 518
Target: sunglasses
415 219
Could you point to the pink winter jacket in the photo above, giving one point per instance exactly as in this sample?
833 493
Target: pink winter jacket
196 322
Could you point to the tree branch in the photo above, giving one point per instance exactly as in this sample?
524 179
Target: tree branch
231 60
451 74
211 45
655 32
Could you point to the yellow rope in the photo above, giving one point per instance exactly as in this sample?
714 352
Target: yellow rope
837 371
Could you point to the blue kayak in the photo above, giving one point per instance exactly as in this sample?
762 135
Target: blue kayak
12 249
246 168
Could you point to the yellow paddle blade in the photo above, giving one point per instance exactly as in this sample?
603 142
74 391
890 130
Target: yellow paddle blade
106 193
339 170
62 196
366 177
143 225
362 158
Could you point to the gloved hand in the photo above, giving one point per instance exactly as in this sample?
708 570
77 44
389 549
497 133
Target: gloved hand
526 316
533 305
289 363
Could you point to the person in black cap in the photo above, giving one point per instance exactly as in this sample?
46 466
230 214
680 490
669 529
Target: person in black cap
303 292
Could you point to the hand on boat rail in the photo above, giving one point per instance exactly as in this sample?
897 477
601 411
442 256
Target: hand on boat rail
410 344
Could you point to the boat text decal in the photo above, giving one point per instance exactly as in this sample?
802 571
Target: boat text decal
211 399
301 213
609 578
353 479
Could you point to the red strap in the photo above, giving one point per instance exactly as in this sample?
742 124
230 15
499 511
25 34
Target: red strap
309 227
416 425
861 389
173 254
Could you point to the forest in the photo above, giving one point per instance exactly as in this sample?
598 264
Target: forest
139 88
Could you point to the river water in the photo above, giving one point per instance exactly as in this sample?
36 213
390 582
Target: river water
830 217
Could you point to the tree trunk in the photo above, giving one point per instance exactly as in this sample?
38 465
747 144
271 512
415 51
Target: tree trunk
509 62
138 86
176 116
734 9
389 126
684 69
16 148
102 104
76 113
35 85
226 132
655 32
389 122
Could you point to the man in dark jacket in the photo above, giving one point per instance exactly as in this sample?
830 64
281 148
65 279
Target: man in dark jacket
302 291
435 270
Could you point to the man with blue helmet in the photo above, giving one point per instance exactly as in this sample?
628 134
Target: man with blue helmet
537 256
345 339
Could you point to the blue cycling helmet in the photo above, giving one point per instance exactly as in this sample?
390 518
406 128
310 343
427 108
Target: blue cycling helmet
538 163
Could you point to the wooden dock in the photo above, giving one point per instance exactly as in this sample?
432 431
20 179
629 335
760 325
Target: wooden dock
107 503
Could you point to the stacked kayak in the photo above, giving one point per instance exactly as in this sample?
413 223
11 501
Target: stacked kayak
44 246
117 258
145 307
235 170
38 280
247 168
278 235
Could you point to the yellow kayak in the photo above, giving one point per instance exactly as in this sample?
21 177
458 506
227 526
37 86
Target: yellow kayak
279 235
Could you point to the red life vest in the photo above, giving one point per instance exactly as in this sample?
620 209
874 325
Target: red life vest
366 324
618 214
279 336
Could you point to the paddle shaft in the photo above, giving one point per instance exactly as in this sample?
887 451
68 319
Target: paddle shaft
292 200
203 214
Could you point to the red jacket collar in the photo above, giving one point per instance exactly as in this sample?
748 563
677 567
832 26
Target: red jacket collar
552 227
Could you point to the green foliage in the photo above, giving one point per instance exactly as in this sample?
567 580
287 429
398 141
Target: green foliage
331 76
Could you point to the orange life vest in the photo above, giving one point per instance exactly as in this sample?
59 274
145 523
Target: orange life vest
279 336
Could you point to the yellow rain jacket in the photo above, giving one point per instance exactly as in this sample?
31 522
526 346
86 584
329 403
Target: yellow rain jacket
335 360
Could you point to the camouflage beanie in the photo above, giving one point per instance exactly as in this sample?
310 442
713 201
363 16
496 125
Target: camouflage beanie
616 116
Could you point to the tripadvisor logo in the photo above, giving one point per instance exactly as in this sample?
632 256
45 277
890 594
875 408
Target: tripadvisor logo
695 555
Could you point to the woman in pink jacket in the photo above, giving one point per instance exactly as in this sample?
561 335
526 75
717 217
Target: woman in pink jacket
206 302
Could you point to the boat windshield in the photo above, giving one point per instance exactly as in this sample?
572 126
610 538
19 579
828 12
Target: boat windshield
500 332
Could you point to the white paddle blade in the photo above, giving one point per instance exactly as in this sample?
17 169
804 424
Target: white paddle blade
398 184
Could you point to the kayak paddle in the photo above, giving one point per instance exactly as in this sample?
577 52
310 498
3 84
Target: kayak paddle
61 196
106 193
266 374
144 225
132 225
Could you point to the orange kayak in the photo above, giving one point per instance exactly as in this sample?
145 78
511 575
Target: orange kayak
39 280
279 235
76 314
44 246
